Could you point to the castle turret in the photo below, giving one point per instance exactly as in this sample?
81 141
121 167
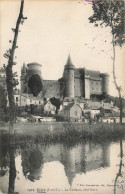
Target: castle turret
69 71
87 86
23 76
34 77
105 83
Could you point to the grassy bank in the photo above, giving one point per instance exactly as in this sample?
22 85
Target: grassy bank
62 132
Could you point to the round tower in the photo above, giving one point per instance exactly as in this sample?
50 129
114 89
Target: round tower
105 83
34 77
69 72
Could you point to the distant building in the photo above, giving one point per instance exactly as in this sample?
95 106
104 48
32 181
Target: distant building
72 112
49 107
25 99
75 82
80 101
107 107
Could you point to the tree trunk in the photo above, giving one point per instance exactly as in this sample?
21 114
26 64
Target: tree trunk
9 71
116 85
119 174
12 170
10 97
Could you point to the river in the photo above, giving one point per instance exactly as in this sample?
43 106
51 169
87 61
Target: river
87 167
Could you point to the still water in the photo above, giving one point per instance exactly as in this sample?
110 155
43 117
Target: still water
58 168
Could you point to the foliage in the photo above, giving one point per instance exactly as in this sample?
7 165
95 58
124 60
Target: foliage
115 100
111 14
34 109
65 134
11 80
3 99
56 102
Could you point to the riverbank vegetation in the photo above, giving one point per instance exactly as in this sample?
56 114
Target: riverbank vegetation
63 132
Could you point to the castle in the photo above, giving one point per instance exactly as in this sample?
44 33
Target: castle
75 82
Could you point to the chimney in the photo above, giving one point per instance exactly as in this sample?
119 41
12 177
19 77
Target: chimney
102 103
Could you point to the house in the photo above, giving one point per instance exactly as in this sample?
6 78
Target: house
92 107
81 103
116 109
26 99
72 112
107 107
113 117
67 100
49 107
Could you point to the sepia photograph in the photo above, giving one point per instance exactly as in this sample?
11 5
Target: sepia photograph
62 96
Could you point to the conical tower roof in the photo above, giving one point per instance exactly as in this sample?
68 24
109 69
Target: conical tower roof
69 63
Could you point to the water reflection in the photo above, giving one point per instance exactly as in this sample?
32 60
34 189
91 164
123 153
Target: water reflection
78 159
32 162
7 163
12 170
70 161
4 160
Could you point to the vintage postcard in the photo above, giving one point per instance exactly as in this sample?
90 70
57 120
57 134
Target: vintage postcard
62 96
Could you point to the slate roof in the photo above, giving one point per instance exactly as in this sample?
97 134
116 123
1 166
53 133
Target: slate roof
80 72
86 107
92 73
68 99
68 107
107 106
94 105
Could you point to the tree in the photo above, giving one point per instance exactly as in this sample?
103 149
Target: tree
11 81
111 14
3 100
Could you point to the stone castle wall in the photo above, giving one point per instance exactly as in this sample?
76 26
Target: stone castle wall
76 82
51 88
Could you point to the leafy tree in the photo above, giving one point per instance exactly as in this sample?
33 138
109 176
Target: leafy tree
3 99
56 102
111 14
11 81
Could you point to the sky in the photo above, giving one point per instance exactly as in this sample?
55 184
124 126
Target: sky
55 29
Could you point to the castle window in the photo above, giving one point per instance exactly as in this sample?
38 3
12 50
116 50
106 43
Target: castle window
16 99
